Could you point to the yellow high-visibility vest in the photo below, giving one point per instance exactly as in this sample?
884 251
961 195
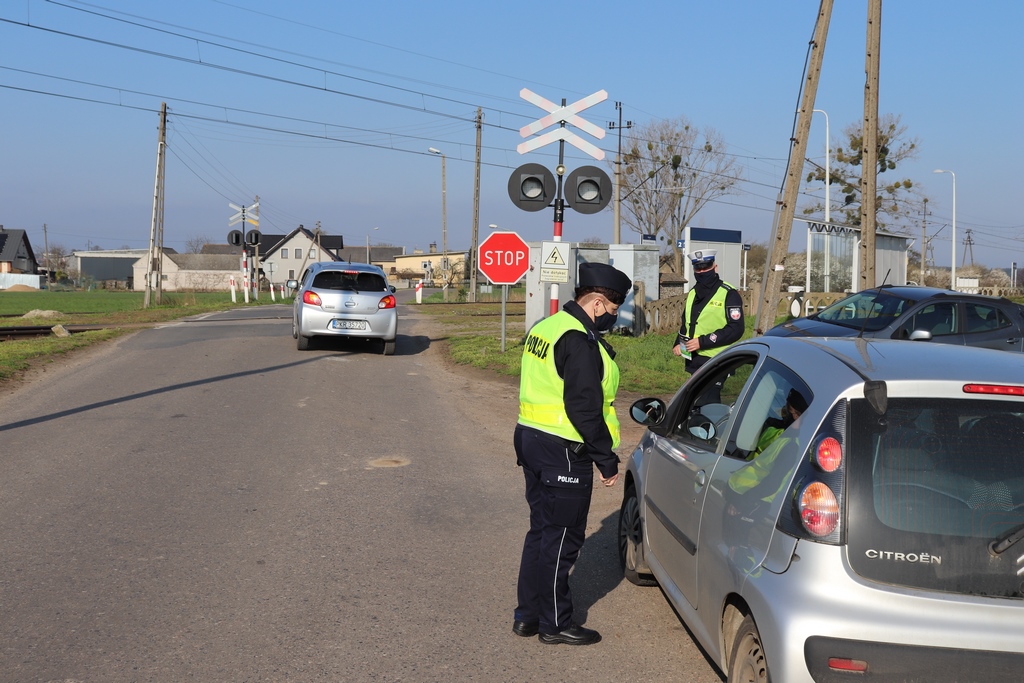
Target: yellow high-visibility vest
541 390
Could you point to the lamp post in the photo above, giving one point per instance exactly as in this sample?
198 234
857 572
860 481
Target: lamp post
444 223
368 246
826 271
952 271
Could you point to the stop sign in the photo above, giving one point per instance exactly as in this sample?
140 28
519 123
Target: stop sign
504 258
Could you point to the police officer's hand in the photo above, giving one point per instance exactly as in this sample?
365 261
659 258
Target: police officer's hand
610 481
675 350
693 345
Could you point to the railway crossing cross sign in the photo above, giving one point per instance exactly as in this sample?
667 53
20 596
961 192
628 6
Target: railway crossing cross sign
558 114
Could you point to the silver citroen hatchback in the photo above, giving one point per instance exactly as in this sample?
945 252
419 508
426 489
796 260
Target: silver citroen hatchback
340 299
838 509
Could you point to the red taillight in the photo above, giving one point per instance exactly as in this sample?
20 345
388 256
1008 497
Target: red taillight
843 664
829 454
819 509
311 298
1003 389
387 302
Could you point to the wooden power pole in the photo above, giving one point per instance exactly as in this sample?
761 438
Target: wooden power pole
156 230
471 256
869 150
771 283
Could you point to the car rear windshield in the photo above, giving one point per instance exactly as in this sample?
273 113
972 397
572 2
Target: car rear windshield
933 485
870 311
352 281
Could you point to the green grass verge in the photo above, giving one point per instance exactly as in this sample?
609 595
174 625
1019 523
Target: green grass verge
646 364
20 355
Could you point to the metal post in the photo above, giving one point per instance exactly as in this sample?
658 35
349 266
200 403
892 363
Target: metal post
504 297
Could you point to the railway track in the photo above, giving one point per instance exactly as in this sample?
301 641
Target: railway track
25 331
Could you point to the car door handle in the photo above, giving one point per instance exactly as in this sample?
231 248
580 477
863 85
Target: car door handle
700 479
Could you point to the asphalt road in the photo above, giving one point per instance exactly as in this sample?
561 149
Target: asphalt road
203 502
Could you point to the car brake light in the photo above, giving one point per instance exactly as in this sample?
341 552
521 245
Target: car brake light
387 302
819 509
829 454
843 664
311 298
1003 389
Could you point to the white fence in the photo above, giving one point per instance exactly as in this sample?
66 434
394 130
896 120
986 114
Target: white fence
8 280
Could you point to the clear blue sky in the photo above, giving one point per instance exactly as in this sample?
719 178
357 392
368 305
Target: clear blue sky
325 109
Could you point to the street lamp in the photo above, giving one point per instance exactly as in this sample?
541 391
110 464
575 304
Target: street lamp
368 246
953 264
444 223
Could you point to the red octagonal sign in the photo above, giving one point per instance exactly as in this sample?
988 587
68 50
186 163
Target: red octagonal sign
504 258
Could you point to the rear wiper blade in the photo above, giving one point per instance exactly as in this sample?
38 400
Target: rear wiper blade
1002 543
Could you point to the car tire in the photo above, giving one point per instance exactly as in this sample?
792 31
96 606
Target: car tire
631 538
295 329
302 343
747 663
389 347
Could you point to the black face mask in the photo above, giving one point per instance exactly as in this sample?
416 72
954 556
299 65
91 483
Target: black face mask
707 277
605 321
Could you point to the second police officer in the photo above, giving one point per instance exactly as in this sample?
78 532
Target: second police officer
712 315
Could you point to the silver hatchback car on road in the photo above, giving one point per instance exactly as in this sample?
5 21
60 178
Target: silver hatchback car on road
340 299
838 510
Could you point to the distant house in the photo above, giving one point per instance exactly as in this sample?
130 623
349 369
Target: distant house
296 250
192 272
16 254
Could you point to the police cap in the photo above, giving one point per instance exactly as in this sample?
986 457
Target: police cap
603 275
703 259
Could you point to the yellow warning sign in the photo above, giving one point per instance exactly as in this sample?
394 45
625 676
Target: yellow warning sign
555 259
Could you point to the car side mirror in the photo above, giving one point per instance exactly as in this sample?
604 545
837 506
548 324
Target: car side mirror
292 284
701 427
392 288
920 335
648 412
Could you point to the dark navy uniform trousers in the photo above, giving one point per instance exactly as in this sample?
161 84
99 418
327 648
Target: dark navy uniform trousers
559 484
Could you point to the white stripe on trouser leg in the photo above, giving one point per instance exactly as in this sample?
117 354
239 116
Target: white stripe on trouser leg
554 581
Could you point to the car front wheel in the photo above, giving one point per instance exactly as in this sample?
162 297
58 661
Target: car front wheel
748 663
631 538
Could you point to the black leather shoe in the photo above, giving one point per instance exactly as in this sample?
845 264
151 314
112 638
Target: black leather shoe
526 629
574 635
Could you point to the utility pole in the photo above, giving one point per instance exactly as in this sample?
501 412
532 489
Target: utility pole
924 237
471 257
46 246
968 244
771 283
869 149
617 206
155 266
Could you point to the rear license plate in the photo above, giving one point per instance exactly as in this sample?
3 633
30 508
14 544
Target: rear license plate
348 324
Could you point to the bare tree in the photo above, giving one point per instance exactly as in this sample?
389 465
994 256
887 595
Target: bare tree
898 205
672 170
194 243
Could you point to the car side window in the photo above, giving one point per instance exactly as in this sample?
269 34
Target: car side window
704 411
775 400
983 318
936 318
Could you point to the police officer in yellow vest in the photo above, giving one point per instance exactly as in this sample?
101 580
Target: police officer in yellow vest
712 315
567 425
